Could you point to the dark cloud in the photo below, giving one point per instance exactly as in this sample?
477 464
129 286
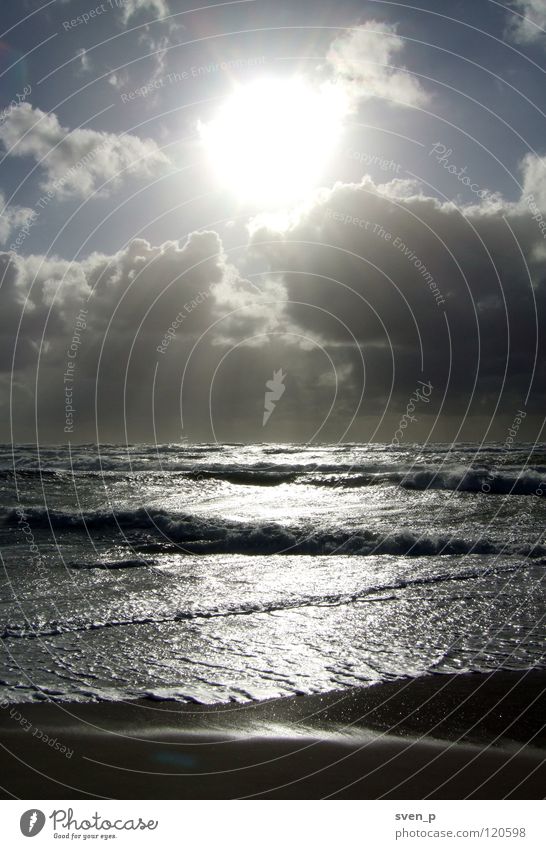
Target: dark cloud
415 279
368 291
120 320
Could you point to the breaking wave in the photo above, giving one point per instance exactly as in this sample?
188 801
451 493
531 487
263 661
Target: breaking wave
210 535
484 481
458 478
133 563
370 594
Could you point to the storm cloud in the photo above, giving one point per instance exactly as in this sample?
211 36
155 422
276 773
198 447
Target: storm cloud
370 290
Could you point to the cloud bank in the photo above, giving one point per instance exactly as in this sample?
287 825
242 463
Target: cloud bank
370 290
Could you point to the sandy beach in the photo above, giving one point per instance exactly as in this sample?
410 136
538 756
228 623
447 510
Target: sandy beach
440 736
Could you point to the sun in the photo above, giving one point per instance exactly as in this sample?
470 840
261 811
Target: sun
271 139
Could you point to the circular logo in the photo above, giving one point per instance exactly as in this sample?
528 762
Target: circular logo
32 822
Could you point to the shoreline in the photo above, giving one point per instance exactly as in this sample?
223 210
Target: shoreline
440 736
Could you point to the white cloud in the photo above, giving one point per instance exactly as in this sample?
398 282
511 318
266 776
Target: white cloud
534 179
12 219
85 62
131 8
118 79
364 60
77 163
159 46
532 26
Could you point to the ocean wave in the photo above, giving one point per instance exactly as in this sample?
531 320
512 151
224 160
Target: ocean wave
215 535
236 472
370 594
484 481
133 563
349 480
245 477
242 476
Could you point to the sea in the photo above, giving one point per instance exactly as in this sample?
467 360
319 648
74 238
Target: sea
217 573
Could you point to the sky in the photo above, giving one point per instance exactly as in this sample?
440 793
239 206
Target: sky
271 221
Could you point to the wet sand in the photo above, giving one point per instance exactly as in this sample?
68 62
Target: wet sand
441 737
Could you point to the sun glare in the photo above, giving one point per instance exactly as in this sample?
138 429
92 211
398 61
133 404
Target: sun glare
271 140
